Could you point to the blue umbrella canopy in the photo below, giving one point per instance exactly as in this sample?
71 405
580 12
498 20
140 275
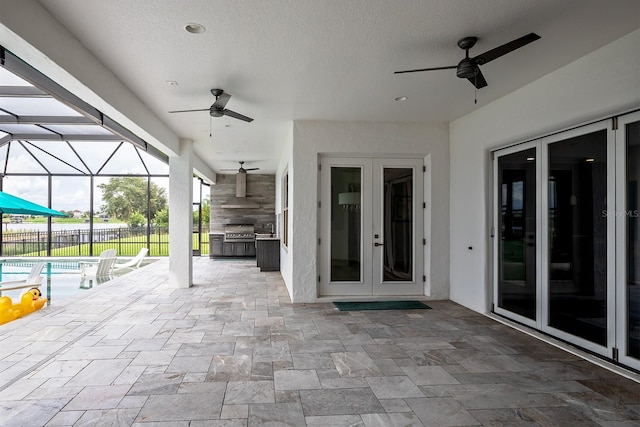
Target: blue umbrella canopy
15 205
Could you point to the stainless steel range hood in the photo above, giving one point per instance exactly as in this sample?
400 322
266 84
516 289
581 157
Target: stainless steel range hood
241 201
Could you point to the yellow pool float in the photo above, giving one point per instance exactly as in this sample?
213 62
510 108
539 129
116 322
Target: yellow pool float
30 301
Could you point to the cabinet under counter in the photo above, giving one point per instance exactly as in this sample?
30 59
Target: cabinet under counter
219 248
215 244
268 254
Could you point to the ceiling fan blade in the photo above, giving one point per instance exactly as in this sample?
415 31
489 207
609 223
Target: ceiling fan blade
478 81
221 100
189 111
499 51
237 115
251 169
426 69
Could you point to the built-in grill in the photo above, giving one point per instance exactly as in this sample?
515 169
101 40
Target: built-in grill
239 231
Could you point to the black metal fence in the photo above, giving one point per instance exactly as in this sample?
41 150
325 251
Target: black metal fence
83 242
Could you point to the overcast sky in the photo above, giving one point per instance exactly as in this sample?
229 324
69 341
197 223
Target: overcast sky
68 193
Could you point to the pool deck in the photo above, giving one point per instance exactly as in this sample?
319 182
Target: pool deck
233 350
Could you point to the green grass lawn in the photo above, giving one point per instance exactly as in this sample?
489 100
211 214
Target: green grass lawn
126 247
66 220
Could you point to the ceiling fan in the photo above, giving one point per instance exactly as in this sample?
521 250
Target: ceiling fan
241 170
469 68
217 108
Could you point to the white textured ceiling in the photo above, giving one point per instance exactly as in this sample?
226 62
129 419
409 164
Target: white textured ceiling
326 59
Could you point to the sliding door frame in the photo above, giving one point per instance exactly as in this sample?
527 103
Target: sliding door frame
607 350
496 234
617 252
615 228
622 302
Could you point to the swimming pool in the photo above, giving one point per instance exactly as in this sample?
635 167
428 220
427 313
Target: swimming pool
61 276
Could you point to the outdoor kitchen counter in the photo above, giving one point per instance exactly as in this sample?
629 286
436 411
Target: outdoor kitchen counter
219 247
268 252
267 237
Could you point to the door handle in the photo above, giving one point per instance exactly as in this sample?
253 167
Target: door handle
378 244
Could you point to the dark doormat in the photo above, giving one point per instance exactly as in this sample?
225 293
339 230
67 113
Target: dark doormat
380 305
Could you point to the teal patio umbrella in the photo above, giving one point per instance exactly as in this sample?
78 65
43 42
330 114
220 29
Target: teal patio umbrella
10 204
15 205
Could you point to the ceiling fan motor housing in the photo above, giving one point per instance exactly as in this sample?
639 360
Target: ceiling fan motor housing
466 69
215 111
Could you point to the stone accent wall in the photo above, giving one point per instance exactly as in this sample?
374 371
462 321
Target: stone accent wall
261 189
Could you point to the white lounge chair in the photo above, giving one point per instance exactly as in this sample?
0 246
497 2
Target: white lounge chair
34 280
133 262
103 267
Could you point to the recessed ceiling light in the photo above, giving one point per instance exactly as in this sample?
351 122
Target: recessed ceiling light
400 98
590 160
195 28
531 159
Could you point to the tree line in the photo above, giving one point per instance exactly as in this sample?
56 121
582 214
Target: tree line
125 198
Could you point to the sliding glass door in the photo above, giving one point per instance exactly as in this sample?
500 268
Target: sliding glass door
567 236
579 284
516 231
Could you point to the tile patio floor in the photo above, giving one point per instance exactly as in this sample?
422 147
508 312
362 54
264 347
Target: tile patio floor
233 351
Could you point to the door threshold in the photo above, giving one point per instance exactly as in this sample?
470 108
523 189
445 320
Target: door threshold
603 363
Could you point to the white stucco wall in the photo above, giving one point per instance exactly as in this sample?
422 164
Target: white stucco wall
603 83
181 214
366 139
286 253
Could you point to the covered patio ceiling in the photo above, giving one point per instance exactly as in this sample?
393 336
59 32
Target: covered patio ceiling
285 62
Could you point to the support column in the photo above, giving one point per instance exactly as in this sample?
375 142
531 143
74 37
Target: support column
181 216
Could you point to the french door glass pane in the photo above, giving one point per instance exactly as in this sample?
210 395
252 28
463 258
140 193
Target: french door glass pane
517 233
398 224
578 236
633 239
346 224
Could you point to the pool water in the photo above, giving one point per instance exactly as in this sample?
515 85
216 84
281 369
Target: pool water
60 277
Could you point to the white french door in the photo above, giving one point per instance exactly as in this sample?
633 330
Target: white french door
566 241
371 227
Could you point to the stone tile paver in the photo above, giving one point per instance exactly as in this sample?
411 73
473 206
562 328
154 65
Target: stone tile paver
294 379
233 351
